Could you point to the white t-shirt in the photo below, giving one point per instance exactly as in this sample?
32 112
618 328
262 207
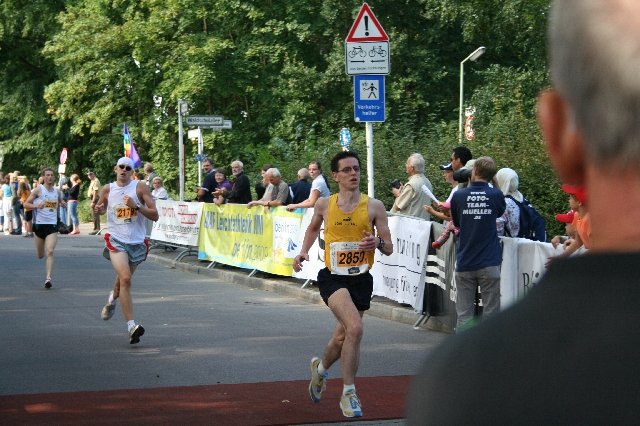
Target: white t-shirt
320 185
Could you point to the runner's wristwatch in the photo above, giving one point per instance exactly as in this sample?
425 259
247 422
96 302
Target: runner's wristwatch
381 243
138 206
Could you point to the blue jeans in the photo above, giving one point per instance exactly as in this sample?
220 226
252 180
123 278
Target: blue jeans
62 214
73 212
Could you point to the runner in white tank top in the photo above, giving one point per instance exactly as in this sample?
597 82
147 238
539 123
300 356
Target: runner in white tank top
127 203
125 224
45 200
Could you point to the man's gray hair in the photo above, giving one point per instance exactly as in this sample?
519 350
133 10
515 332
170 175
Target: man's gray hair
595 57
303 173
274 172
417 161
238 163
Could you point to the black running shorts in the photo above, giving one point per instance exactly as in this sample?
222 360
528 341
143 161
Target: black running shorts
360 287
42 230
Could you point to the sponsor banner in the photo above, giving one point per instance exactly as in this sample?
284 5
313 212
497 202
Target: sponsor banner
178 222
315 263
401 276
254 238
523 265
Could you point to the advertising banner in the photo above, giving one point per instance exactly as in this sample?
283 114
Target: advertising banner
400 276
178 222
266 240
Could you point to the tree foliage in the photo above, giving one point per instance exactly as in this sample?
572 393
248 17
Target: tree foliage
74 71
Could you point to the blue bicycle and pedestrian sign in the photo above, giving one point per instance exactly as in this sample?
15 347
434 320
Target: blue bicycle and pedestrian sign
368 94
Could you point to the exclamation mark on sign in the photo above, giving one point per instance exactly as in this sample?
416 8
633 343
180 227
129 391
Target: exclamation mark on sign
366 25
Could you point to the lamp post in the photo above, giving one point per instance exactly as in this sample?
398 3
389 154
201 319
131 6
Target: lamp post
472 57
182 109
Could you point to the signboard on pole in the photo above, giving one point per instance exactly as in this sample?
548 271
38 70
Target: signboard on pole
367 45
368 96
205 120
225 125
345 138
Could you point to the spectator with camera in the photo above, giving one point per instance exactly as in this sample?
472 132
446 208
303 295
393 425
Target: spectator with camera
410 198
474 210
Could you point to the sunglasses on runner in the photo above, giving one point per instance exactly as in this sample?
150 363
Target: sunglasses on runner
122 166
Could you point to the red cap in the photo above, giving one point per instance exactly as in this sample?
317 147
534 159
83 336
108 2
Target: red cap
566 217
577 191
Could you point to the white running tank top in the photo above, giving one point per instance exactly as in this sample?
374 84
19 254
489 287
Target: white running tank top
125 224
49 214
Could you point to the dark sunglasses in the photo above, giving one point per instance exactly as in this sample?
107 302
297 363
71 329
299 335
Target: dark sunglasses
122 166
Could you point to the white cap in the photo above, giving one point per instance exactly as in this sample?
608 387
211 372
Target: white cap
125 161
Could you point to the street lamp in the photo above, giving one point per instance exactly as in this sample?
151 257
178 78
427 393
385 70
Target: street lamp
472 57
183 108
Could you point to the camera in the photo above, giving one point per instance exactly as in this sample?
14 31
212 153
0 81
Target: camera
395 184
462 175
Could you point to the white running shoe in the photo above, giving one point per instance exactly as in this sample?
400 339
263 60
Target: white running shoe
318 381
350 405
135 333
107 311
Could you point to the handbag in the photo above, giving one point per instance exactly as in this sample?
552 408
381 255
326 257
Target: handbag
63 228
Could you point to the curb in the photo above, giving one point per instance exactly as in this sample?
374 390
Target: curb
380 307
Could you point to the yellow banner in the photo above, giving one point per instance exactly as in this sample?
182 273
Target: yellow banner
256 238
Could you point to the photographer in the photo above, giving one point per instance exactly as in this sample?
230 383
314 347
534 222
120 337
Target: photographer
410 198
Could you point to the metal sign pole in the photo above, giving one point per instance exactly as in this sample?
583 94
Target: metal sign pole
200 149
369 140
180 150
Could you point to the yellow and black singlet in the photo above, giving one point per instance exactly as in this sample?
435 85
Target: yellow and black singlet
342 234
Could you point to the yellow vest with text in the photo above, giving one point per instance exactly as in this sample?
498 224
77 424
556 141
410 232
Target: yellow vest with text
347 227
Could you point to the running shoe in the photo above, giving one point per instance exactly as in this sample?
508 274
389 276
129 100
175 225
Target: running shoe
350 405
108 311
48 283
318 381
135 333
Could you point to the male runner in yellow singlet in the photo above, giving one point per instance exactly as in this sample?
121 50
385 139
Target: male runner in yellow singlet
345 284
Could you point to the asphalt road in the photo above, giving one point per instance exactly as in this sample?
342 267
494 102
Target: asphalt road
199 330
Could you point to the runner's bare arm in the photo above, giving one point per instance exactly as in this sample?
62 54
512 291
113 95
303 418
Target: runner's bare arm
29 203
148 208
382 241
101 206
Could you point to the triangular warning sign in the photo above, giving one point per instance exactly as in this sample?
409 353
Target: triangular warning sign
366 27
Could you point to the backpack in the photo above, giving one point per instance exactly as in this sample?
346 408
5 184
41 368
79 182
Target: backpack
532 224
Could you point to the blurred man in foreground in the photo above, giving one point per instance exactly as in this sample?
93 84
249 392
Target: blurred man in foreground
566 353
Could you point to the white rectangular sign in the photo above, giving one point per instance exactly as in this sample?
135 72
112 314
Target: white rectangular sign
205 120
367 57
226 125
178 222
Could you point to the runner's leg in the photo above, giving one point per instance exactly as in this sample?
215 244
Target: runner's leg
124 273
49 247
345 342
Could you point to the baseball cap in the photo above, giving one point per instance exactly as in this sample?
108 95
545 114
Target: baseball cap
577 191
125 161
446 166
566 217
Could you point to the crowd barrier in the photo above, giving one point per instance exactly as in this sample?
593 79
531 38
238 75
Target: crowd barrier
268 240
